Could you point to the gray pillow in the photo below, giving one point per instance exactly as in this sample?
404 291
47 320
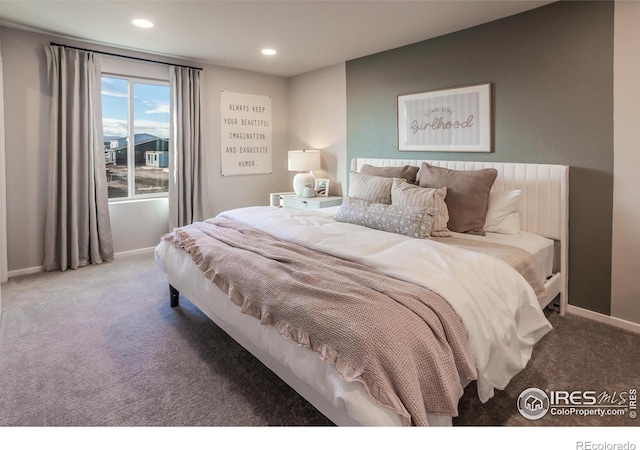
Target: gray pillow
404 193
409 221
371 188
467 195
407 172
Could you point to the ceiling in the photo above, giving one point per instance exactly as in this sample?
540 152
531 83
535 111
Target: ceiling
307 34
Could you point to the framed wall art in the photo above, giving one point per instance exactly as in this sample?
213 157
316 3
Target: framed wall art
448 120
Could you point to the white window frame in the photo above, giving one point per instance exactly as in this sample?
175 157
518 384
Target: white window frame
131 147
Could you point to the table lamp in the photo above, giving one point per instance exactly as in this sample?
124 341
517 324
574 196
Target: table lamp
303 162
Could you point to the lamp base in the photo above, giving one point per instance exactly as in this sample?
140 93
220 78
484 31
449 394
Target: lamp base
301 180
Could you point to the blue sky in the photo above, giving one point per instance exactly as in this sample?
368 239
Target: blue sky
151 108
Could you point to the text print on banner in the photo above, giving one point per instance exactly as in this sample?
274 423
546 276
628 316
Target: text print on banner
246 134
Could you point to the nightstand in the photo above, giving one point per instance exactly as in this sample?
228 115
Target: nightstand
296 202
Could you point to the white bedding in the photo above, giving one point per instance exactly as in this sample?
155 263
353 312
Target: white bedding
497 306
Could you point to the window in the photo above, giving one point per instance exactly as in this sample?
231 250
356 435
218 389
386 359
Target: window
135 111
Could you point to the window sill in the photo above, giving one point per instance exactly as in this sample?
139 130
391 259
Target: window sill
118 201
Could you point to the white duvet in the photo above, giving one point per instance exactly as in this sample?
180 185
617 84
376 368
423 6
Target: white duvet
497 306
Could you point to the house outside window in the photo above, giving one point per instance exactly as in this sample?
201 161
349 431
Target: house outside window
136 118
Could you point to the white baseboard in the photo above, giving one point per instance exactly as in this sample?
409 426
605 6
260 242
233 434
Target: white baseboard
38 269
139 251
609 320
25 271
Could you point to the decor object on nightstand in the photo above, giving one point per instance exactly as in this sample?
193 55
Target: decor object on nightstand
303 162
322 187
309 191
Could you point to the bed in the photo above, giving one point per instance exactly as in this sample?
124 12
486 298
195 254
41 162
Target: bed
327 383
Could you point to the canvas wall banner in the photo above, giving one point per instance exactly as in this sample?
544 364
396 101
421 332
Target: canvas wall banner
246 134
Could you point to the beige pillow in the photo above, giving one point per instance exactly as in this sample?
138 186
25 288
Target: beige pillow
467 195
407 194
409 221
407 172
371 188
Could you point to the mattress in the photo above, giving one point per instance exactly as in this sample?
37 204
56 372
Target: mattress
540 247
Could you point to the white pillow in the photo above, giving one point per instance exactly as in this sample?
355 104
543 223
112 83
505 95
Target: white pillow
503 214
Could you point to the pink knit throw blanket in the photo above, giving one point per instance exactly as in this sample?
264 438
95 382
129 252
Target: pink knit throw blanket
402 341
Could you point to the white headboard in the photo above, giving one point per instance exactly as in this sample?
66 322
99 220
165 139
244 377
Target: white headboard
545 201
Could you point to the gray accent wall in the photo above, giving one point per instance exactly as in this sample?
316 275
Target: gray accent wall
551 71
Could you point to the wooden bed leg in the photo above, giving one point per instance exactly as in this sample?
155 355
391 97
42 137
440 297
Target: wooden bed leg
174 296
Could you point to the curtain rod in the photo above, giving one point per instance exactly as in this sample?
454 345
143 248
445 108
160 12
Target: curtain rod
124 56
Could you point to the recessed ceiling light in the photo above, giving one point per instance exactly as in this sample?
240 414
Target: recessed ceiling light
142 23
269 51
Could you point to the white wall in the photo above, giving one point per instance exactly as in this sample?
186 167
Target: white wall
625 287
318 119
138 224
226 192
135 225
26 130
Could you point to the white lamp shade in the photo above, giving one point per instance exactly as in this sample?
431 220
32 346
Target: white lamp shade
304 160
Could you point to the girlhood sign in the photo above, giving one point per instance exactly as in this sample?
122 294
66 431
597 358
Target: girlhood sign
447 120
246 133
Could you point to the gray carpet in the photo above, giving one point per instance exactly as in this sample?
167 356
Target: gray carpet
100 346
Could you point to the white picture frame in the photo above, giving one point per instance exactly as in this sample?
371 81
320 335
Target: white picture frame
322 187
447 120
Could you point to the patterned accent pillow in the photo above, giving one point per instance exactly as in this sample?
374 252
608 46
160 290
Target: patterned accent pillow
467 195
409 221
371 188
407 172
407 194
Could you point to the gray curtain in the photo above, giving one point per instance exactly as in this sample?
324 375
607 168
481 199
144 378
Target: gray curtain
185 166
77 227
